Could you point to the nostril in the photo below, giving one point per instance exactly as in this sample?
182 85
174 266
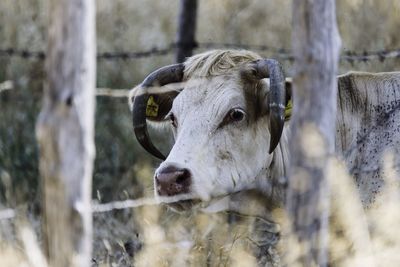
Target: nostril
183 177
171 181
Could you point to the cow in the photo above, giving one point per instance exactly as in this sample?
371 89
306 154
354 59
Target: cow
227 115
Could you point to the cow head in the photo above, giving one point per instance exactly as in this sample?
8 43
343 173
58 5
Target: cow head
227 120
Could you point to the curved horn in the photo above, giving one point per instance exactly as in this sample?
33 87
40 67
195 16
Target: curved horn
270 68
160 77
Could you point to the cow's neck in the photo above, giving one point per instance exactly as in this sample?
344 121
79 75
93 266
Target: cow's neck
273 179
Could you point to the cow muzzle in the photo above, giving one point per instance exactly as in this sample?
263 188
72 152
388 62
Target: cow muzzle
171 181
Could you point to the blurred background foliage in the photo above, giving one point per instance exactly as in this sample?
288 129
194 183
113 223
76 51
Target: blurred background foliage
122 168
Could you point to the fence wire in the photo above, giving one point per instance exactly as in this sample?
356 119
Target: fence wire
281 53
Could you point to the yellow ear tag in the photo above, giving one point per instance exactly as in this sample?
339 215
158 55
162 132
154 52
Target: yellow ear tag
288 110
151 108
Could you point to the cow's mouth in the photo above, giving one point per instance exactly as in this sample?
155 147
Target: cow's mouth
184 205
214 205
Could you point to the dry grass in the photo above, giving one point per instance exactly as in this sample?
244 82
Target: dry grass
163 238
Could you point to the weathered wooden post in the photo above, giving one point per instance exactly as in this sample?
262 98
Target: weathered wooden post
316 44
185 40
65 133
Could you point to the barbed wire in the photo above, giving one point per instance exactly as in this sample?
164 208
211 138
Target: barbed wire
139 54
22 53
371 55
135 203
118 93
7 213
281 53
109 92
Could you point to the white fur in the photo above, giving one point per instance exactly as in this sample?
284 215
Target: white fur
233 160
200 141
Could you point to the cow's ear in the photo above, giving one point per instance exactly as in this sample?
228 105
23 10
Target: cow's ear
288 98
288 102
288 87
158 105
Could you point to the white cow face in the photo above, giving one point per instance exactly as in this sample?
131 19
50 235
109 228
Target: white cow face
221 139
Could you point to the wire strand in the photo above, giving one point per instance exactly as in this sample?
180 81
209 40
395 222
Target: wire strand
281 53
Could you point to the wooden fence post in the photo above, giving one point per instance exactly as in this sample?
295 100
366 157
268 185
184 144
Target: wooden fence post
65 133
316 44
186 30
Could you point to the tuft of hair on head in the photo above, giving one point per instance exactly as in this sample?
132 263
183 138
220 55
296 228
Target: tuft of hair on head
217 62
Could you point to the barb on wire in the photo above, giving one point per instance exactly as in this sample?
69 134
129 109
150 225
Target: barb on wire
282 53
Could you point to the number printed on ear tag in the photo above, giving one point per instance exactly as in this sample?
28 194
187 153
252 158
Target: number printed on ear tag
151 108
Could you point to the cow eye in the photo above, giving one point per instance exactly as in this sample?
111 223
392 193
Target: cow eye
236 115
173 120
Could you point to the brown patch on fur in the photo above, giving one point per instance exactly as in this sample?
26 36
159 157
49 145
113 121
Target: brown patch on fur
224 155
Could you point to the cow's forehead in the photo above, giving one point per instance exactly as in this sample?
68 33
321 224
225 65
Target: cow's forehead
218 90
